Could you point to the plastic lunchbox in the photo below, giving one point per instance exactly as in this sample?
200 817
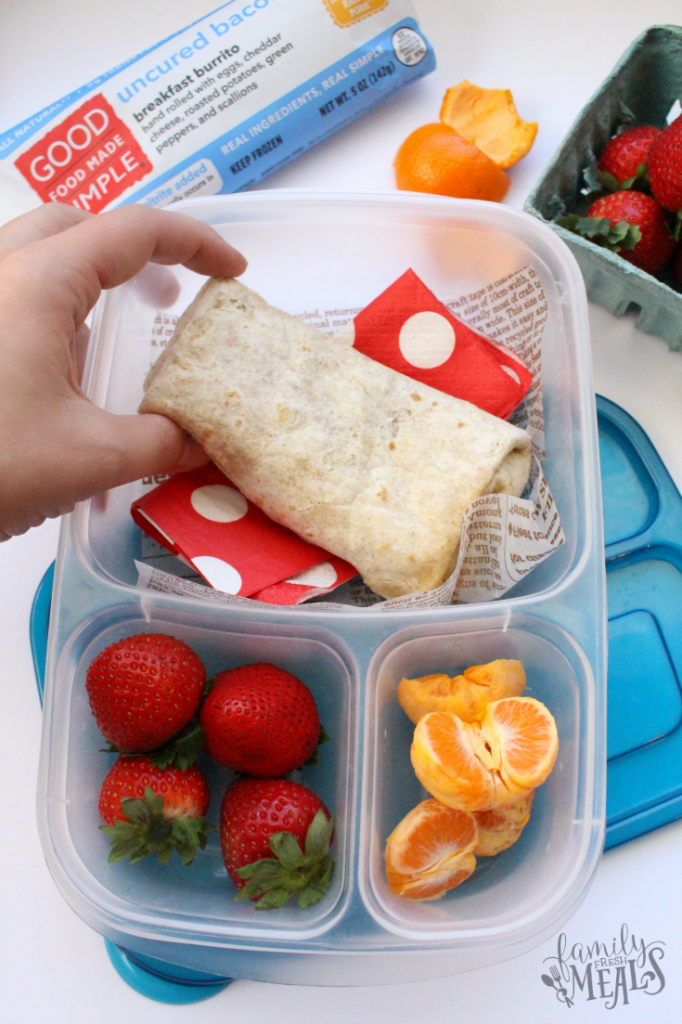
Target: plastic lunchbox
642 89
339 251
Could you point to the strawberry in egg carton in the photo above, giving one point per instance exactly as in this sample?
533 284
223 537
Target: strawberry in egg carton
201 517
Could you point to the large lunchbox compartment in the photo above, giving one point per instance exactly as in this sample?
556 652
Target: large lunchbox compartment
336 254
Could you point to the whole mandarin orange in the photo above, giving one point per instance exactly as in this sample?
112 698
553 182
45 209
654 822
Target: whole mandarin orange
435 159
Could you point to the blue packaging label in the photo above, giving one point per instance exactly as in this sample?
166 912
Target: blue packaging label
219 105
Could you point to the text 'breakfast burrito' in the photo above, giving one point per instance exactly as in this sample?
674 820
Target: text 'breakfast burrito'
352 456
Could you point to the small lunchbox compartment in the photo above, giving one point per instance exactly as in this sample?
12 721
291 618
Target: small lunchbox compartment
198 899
531 879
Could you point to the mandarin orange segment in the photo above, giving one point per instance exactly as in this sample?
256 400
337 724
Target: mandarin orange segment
500 827
430 851
465 695
449 761
526 739
494 762
488 119
436 159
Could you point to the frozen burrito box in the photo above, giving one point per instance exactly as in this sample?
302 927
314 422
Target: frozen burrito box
352 456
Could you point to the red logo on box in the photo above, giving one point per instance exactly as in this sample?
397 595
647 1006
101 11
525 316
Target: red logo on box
88 160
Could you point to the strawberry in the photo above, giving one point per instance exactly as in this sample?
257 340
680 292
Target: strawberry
150 811
260 720
275 837
665 166
143 690
629 223
624 160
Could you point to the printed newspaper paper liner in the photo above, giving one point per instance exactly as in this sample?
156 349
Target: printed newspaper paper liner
503 538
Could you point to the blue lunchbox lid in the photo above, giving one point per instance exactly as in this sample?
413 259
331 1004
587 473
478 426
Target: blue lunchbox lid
642 531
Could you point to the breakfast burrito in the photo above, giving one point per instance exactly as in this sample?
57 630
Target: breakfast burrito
354 457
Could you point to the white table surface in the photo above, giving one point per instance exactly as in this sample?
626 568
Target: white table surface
552 55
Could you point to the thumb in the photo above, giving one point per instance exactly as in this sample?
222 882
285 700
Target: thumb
80 452
132 447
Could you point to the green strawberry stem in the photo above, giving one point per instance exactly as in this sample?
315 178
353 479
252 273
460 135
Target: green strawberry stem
148 833
290 872
677 224
603 232
639 180
607 181
315 756
180 751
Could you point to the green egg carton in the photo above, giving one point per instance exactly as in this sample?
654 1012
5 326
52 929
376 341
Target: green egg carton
641 89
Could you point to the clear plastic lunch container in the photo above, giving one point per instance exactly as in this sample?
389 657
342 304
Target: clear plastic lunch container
332 251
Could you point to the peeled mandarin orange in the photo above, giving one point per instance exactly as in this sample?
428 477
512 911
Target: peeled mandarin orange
490 763
527 739
450 761
466 695
430 851
500 827
436 159
489 119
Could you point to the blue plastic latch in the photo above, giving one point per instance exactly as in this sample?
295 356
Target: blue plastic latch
161 981
39 625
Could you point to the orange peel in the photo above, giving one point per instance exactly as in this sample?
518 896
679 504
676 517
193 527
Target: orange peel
488 118
438 160
464 695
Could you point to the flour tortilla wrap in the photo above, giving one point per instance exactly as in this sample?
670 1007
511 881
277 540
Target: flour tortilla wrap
352 456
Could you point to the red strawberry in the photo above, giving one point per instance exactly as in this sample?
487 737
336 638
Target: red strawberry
143 690
260 720
665 166
656 245
625 158
275 837
629 223
151 811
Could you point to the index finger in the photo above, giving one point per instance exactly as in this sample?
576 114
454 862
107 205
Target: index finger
49 219
107 250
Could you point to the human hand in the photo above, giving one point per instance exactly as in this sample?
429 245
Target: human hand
56 447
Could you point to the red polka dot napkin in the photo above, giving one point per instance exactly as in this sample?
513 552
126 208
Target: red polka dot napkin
201 517
408 329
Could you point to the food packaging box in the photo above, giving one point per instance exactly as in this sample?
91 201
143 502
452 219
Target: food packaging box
215 107
641 89
318 255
